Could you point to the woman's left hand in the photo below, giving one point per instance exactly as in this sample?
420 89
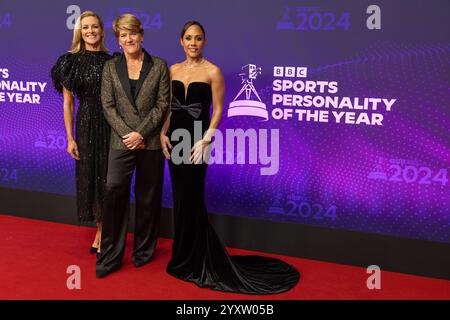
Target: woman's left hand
198 151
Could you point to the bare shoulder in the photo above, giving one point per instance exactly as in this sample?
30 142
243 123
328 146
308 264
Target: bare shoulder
174 68
214 71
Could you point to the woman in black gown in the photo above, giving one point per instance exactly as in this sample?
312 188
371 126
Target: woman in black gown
198 255
78 74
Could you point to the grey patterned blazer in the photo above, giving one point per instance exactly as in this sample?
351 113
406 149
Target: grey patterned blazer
143 113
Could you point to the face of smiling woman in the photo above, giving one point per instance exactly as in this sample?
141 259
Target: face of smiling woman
130 41
193 42
91 32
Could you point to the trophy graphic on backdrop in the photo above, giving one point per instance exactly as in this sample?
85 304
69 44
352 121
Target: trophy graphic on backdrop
40 140
276 207
285 23
378 172
248 107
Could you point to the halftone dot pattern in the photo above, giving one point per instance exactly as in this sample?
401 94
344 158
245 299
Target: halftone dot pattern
326 165
321 165
32 136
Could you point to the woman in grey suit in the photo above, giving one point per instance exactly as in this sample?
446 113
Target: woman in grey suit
135 98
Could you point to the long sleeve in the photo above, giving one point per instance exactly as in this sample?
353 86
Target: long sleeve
109 104
155 118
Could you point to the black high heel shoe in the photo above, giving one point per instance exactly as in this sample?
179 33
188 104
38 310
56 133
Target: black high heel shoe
93 250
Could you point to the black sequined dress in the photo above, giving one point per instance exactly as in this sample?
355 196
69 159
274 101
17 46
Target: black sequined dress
198 254
81 73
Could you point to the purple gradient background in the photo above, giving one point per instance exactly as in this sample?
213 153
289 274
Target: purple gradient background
322 164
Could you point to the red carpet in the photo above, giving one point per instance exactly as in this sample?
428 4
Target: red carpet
35 256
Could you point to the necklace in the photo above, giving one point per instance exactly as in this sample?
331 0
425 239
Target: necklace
193 65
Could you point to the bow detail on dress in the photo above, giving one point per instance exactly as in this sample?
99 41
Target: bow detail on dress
194 109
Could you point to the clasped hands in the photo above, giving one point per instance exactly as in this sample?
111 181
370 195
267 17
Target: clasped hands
133 141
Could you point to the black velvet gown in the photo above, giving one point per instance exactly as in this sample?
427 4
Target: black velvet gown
81 73
198 255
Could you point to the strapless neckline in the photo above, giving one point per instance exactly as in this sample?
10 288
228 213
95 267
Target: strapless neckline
186 88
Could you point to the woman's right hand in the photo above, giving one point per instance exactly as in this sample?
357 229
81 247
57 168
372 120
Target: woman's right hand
72 149
166 146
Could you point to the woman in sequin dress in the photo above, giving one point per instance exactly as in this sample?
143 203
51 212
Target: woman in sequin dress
78 74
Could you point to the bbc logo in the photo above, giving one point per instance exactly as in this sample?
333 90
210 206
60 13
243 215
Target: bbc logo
290 72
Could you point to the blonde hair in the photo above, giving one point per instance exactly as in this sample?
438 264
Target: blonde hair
129 22
78 42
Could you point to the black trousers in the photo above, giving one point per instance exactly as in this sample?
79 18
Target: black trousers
149 166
